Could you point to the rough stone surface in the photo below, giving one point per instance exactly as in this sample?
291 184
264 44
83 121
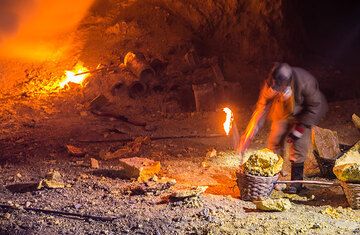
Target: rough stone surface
186 193
142 169
356 121
347 168
326 142
94 163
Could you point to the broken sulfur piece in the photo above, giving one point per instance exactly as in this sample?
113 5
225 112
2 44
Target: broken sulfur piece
347 167
270 204
262 162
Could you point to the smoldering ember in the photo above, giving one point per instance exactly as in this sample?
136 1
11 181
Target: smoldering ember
179 117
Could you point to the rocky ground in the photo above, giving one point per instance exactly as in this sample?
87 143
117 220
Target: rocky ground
34 144
38 120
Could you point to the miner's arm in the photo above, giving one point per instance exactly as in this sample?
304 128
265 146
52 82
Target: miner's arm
258 117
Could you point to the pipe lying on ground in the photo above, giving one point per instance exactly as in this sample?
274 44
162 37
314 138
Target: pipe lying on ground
61 213
156 138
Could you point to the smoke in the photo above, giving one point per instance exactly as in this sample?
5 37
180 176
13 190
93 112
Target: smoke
10 14
38 29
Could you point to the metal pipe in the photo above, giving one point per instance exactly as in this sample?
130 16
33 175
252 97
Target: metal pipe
307 182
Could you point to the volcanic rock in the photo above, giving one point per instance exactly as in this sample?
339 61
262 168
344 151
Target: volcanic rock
94 163
142 169
326 142
347 167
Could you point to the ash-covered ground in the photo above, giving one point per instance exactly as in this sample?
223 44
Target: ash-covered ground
31 150
38 119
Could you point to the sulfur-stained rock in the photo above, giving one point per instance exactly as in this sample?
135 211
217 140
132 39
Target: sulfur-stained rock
332 212
356 121
262 162
53 175
347 168
74 151
187 193
142 169
94 163
53 179
279 204
50 184
326 142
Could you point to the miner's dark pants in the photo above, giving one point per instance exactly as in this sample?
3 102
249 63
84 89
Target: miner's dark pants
298 150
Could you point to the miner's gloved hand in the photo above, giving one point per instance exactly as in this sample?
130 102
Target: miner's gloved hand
296 133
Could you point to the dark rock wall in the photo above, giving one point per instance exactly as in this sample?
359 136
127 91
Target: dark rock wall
246 36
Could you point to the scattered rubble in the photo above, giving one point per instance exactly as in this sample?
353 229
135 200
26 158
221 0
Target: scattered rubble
270 204
181 194
154 186
226 159
129 149
141 169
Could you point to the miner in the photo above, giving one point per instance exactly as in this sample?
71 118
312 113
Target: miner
291 98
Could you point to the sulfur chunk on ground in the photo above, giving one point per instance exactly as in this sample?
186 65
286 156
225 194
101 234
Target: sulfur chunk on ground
347 167
262 162
270 204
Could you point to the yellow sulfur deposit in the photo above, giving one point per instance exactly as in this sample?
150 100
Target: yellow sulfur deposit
270 204
356 120
347 168
262 162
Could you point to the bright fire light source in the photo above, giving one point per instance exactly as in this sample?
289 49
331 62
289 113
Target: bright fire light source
70 76
228 121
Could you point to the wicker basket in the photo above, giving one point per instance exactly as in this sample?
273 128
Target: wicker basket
255 187
352 193
326 165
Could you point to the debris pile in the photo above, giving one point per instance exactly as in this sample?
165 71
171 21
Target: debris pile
262 162
347 167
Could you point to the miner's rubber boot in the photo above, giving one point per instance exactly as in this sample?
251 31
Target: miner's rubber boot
297 173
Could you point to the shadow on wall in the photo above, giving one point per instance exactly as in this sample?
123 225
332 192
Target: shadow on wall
38 29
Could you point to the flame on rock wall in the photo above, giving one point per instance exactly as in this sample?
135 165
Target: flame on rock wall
38 29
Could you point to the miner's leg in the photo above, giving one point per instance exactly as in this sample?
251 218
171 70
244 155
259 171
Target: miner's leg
278 133
298 153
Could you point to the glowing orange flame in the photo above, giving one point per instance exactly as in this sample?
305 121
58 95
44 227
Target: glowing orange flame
70 76
228 121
